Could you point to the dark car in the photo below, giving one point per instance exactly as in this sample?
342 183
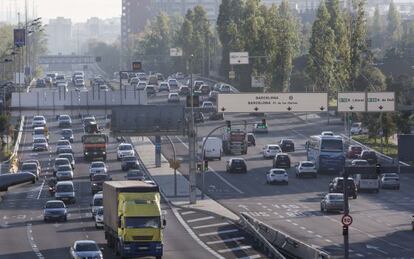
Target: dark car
97 181
251 139
354 151
184 90
205 89
287 145
370 156
236 165
129 162
40 83
281 160
337 185
67 134
55 210
135 175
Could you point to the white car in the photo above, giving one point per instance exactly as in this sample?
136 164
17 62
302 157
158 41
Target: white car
63 143
141 85
38 121
85 249
99 218
164 87
40 144
173 98
305 168
357 129
64 172
327 133
124 149
96 203
270 151
277 175
207 104
97 167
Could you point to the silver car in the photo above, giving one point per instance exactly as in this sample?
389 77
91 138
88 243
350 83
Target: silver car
55 210
332 202
390 181
85 249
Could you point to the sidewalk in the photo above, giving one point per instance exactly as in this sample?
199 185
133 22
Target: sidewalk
164 176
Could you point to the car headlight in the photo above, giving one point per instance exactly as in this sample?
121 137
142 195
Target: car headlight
94 184
86 153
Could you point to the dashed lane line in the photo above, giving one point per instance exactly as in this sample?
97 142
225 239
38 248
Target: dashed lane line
216 233
234 239
234 249
32 242
250 257
212 225
187 212
200 219
41 188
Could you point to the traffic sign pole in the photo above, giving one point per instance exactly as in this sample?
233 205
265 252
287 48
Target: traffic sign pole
346 212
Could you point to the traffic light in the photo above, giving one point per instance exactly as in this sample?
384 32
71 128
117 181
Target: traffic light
196 101
228 124
345 230
199 167
264 121
205 165
378 169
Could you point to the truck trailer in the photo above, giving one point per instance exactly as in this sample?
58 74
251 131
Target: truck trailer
133 220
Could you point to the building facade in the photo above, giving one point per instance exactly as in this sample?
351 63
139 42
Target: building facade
59 33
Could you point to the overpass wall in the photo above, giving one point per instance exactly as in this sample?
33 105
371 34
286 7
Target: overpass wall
53 99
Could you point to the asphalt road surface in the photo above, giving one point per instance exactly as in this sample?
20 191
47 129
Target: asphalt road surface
23 234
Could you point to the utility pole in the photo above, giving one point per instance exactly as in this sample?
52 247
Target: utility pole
192 141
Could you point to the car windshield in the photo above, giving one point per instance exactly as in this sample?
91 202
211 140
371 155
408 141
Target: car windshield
142 222
238 162
98 202
307 164
97 165
64 168
278 171
64 117
273 148
331 145
64 188
129 158
62 161
135 174
38 118
66 132
99 177
39 140
54 205
356 149
29 166
63 143
39 131
125 147
282 158
336 197
82 247
369 154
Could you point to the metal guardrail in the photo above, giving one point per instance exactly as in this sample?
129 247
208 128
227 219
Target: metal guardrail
286 245
269 250
15 150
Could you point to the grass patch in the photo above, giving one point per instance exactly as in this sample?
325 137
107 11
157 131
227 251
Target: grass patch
389 149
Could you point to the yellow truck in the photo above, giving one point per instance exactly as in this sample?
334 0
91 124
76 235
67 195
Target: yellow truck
133 220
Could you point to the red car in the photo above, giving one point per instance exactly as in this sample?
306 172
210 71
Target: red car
354 151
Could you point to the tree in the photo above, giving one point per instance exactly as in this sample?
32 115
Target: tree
342 63
109 54
377 29
358 41
321 56
288 44
394 30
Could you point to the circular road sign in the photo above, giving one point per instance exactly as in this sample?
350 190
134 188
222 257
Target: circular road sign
346 220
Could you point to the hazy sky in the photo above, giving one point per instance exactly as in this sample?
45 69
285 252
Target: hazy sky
77 10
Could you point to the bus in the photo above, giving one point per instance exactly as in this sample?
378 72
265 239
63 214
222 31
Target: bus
367 182
327 152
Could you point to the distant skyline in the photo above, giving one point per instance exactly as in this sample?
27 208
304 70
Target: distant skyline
76 10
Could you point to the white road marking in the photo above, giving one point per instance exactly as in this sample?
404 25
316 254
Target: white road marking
41 188
200 219
212 225
359 255
218 232
187 212
238 248
329 241
318 236
295 224
310 231
32 242
303 228
250 257
234 239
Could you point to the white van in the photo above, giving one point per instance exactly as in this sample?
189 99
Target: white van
96 203
213 148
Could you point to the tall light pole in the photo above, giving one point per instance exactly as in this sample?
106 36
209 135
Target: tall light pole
192 140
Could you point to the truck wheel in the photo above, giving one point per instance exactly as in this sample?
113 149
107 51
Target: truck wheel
158 257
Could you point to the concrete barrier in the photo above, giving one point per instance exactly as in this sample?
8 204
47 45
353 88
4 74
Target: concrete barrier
285 244
13 161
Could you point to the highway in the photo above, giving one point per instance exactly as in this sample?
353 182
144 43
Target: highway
23 234
382 222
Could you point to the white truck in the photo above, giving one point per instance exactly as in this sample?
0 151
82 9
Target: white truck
213 148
